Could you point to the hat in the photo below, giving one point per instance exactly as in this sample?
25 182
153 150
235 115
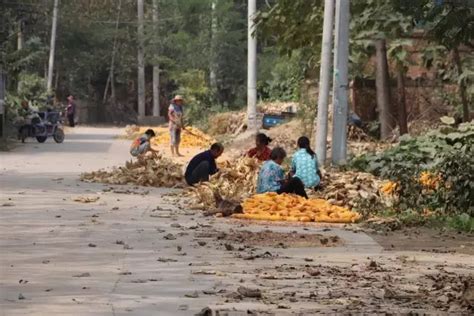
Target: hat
177 97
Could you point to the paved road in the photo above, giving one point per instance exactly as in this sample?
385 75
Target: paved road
116 256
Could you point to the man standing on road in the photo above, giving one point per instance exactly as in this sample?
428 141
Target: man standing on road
71 110
175 116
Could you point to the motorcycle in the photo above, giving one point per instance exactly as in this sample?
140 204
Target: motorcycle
42 126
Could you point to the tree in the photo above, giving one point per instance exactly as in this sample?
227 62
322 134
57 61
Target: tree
382 82
449 23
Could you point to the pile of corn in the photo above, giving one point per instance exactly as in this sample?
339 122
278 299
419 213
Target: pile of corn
196 138
152 170
429 180
389 188
287 207
235 181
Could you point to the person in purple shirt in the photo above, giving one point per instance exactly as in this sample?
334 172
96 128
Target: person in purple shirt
71 110
203 165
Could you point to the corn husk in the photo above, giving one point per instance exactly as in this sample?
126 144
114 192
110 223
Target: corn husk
348 188
276 107
86 199
152 170
293 208
235 181
226 123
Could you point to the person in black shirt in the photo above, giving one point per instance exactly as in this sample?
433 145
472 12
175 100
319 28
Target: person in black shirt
203 165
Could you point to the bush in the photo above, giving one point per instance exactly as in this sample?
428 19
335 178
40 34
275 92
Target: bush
280 76
433 172
194 88
31 88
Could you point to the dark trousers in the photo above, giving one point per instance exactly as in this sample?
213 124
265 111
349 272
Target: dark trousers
295 186
70 118
199 174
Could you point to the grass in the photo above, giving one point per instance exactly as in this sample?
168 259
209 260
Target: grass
459 222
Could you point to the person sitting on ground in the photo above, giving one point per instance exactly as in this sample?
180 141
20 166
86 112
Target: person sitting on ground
141 145
304 164
271 177
203 165
262 152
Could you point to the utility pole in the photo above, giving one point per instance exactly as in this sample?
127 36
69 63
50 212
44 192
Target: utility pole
141 62
156 68
324 82
251 67
340 83
52 46
19 47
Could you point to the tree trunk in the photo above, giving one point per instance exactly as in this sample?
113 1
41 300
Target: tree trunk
212 63
19 47
20 35
462 87
107 83
56 79
383 90
111 78
402 107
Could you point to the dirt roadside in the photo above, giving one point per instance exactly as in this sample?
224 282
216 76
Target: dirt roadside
426 240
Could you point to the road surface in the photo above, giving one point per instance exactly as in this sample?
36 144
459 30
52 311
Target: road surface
138 251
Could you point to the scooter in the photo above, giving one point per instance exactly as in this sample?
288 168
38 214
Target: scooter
43 125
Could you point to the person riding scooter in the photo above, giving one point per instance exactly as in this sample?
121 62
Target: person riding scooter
26 116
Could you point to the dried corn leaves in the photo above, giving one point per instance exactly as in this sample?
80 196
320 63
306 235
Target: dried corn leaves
227 123
152 170
235 181
293 208
348 188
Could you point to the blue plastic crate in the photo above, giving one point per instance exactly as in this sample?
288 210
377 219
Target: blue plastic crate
271 120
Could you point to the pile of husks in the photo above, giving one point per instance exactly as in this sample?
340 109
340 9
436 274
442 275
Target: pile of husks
152 170
294 208
348 188
227 123
235 181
